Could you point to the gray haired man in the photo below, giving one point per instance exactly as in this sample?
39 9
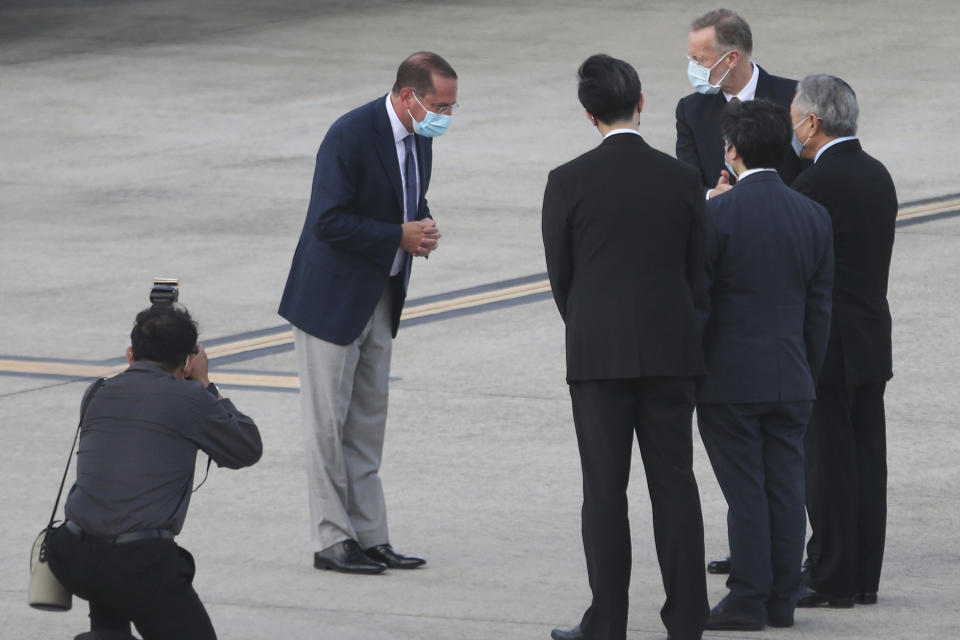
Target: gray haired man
846 468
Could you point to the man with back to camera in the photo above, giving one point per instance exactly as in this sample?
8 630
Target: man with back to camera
623 237
139 439
368 217
769 271
846 463
721 71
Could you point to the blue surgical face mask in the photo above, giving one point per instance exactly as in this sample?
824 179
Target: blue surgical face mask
432 125
795 143
699 76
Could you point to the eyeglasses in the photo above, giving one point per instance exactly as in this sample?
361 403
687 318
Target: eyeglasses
439 107
697 62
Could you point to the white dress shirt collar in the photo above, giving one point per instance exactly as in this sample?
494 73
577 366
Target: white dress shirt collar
749 91
830 144
399 131
616 131
750 172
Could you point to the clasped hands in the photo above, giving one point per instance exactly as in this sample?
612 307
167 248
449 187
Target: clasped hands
420 237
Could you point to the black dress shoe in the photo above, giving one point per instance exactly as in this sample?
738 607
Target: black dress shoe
346 557
573 633
779 621
721 619
866 598
719 566
810 598
384 554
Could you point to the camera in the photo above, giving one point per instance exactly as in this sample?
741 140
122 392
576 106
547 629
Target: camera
165 291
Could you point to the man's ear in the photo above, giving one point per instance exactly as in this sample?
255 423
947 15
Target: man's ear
130 355
640 104
590 117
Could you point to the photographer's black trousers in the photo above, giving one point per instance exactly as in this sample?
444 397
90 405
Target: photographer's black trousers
148 583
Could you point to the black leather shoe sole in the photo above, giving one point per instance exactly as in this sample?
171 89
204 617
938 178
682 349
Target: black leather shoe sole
573 633
373 568
780 623
719 566
866 598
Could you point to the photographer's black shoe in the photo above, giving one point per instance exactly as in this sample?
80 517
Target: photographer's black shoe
346 557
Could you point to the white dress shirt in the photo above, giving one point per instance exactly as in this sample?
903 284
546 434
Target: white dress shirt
399 133
749 91
616 131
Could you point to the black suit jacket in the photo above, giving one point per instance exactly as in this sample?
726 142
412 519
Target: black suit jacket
859 194
699 142
623 229
769 271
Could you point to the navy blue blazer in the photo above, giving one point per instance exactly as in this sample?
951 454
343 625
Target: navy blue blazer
769 277
699 142
353 228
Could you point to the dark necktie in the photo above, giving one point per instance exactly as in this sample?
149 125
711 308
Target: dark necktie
734 99
410 175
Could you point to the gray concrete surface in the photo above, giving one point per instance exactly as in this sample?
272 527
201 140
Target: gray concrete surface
176 138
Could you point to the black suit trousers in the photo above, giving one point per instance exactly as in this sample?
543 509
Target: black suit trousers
607 414
756 451
846 469
148 582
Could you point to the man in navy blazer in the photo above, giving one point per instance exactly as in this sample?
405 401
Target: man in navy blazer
368 217
769 271
720 69
846 444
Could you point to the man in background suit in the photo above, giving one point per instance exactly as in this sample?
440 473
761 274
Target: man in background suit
623 237
769 273
846 438
720 69
367 218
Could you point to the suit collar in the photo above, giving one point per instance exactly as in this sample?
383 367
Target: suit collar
840 147
758 177
623 138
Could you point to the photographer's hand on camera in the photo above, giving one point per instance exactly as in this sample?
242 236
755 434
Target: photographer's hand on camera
198 367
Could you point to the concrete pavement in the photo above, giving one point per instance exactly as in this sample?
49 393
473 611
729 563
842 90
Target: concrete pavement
146 139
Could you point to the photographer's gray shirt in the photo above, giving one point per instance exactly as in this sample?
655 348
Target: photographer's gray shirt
138 449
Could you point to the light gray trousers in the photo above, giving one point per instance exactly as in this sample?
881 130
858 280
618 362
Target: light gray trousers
343 400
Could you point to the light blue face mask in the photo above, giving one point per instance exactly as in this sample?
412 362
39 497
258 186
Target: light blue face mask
699 76
730 169
432 125
795 143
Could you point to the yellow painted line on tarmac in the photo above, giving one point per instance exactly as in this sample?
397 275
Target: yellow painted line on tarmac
284 337
279 338
928 209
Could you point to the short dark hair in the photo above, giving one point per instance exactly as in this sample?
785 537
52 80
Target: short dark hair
732 31
609 89
759 129
417 72
165 334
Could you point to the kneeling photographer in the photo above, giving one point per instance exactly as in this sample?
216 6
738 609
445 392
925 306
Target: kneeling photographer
139 439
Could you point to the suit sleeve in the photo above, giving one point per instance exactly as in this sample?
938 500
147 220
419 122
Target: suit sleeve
332 211
697 255
556 242
686 143
816 323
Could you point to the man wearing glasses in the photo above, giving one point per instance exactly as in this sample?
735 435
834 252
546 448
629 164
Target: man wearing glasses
368 218
721 71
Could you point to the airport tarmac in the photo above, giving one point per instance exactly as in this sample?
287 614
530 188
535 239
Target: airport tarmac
177 138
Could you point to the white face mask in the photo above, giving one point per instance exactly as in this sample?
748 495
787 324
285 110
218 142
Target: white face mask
699 76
